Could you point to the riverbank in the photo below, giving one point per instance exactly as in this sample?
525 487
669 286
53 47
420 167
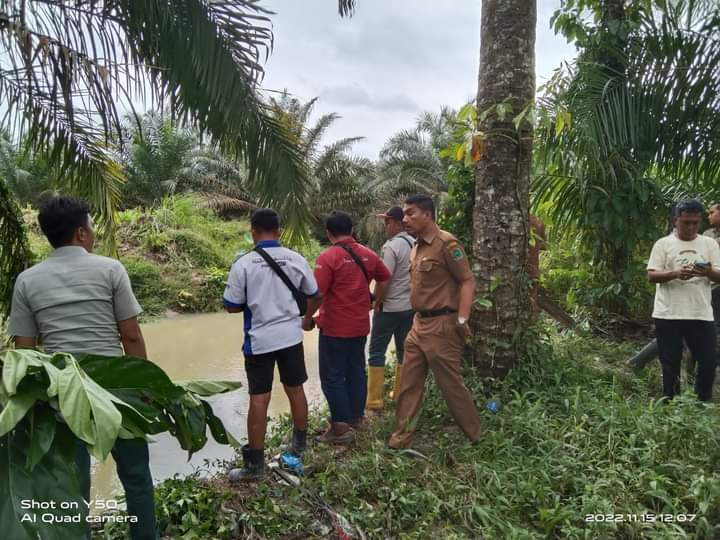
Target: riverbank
576 437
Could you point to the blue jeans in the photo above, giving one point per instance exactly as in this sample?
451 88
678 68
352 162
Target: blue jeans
386 325
342 376
133 467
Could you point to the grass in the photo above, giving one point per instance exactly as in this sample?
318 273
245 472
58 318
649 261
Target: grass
576 435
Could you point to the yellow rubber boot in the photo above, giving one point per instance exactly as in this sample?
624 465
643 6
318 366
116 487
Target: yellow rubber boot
376 384
396 387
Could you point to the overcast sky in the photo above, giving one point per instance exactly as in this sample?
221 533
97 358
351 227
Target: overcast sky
394 59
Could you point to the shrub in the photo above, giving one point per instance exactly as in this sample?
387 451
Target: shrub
148 286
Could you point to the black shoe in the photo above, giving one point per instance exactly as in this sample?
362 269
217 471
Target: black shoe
254 469
299 441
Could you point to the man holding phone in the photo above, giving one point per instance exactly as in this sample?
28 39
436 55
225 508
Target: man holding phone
683 266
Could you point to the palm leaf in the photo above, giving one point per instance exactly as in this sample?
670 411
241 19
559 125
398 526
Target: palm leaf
68 66
206 59
346 8
15 253
635 131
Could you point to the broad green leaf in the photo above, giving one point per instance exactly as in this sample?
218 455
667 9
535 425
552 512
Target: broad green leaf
15 410
467 112
15 365
88 409
129 372
42 433
217 429
209 388
53 374
54 478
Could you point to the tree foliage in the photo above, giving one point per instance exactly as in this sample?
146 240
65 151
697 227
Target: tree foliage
163 158
631 125
338 179
68 68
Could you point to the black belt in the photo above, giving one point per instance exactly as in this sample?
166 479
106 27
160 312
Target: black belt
436 312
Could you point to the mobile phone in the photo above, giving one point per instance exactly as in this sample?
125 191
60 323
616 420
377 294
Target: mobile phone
702 264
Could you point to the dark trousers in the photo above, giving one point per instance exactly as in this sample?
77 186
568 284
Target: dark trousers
133 467
700 339
386 325
716 316
342 376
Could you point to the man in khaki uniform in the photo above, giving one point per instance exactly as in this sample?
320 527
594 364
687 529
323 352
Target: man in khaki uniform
441 293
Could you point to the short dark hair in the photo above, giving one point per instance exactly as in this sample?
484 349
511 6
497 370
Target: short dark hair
339 223
423 202
689 206
265 220
60 217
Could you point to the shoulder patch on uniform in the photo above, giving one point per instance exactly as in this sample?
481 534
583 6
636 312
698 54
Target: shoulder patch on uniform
455 252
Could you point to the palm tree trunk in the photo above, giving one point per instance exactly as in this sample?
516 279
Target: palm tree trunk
500 216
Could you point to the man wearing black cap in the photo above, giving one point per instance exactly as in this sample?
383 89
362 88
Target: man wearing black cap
393 314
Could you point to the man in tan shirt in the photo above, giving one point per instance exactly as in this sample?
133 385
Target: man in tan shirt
441 293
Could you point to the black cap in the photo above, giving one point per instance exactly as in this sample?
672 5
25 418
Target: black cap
395 213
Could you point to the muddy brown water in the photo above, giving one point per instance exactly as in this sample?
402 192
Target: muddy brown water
206 346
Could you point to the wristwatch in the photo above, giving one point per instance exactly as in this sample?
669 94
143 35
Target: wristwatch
462 320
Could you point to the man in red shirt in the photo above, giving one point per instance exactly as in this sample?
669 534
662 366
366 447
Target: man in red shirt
343 273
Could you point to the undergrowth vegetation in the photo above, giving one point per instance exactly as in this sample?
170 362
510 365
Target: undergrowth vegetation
575 435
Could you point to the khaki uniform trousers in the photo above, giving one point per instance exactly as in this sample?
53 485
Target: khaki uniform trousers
434 343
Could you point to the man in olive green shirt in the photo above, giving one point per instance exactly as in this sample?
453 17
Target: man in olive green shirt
77 302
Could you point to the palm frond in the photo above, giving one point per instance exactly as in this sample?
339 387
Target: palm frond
15 253
314 134
89 59
346 8
205 58
222 204
332 153
632 131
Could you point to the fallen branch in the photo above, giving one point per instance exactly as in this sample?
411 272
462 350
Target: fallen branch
552 308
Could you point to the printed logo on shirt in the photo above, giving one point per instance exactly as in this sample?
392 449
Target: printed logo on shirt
688 257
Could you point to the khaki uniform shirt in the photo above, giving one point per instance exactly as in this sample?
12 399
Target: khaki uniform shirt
438 265
72 301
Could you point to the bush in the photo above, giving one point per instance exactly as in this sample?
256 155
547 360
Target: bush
148 285
589 289
195 248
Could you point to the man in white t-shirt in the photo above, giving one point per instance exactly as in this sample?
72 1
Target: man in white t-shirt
273 333
683 265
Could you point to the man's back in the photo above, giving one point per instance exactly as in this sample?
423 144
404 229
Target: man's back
73 301
344 312
272 317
